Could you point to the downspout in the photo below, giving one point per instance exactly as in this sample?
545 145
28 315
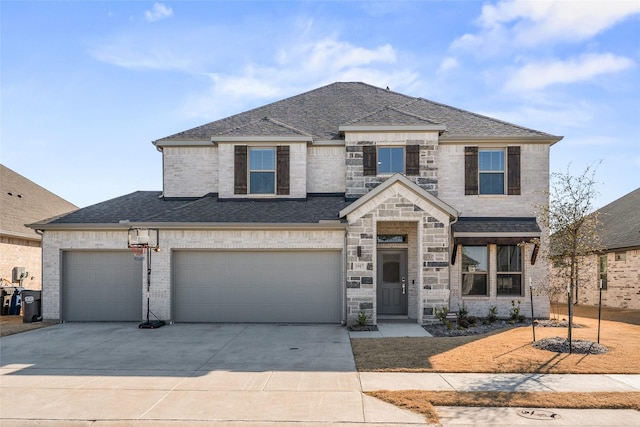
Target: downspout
451 248
41 233
344 278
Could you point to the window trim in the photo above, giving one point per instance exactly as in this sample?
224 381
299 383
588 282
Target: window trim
250 170
503 171
602 275
510 273
391 147
487 274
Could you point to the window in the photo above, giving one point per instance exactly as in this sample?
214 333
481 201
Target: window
474 270
621 256
485 171
603 272
390 160
392 238
491 171
509 266
262 170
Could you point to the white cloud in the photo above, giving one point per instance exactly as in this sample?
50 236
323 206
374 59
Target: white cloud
530 23
158 11
448 63
536 76
297 68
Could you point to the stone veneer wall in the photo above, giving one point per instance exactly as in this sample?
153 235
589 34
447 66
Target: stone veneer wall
17 252
623 281
399 205
358 184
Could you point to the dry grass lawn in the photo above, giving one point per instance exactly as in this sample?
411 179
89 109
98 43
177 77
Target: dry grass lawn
423 402
10 325
502 352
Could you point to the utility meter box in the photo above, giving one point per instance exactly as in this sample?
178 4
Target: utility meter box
19 273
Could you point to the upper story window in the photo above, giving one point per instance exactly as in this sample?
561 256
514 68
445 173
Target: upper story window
390 160
475 267
262 170
491 171
509 270
387 160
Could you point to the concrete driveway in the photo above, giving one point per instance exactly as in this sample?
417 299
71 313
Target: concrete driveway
202 373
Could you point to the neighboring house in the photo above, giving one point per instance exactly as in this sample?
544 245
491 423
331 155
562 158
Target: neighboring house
22 202
617 266
344 199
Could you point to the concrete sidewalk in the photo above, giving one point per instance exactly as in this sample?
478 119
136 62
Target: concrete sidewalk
115 375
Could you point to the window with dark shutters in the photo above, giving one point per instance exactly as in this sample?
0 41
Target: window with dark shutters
369 160
240 170
412 162
513 171
282 171
470 170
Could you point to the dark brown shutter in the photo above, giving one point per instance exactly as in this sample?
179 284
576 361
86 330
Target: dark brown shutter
369 160
282 170
412 160
470 170
240 170
513 171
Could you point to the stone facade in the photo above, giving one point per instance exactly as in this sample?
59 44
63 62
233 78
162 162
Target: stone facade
427 229
17 252
357 184
623 280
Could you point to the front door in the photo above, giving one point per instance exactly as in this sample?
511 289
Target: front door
392 282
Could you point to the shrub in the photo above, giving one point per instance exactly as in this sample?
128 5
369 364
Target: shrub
493 314
514 313
363 318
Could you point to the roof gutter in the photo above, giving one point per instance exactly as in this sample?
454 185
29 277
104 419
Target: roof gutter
125 225
465 139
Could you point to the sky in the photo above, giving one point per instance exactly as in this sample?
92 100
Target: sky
86 86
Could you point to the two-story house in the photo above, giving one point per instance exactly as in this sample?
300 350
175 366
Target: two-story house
345 199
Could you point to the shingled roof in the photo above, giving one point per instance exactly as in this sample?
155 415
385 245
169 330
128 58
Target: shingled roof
23 201
620 221
322 111
150 207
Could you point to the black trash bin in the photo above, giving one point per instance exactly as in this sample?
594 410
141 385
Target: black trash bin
31 306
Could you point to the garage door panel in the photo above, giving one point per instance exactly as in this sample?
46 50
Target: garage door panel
257 286
101 286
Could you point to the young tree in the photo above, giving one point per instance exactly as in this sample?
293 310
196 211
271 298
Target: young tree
574 228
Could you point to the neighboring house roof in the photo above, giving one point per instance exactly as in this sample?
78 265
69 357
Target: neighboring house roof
149 207
23 201
620 221
322 111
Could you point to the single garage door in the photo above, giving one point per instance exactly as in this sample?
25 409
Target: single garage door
101 286
257 286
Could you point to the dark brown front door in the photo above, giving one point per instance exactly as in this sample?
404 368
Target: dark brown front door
392 282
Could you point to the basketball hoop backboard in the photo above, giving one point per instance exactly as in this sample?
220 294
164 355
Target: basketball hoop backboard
143 237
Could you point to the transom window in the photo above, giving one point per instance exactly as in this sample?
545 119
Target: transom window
509 270
262 170
474 270
390 160
491 171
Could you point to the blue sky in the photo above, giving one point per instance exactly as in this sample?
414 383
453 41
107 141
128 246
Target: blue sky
87 85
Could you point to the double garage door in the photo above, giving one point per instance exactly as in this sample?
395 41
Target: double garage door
208 286
257 286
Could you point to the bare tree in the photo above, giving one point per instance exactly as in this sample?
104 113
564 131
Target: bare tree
574 227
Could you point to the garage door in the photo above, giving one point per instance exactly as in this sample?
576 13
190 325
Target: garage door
270 287
101 286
